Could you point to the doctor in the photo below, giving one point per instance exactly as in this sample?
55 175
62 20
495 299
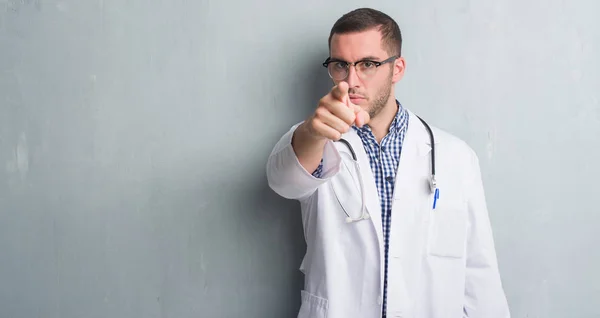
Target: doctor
385 238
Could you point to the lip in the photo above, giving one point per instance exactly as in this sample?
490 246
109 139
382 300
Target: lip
356 98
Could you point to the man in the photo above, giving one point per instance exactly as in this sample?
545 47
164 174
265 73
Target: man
384 240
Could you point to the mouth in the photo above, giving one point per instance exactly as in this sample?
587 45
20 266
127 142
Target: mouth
355 99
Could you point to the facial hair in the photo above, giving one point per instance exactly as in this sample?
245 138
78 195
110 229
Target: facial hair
381 99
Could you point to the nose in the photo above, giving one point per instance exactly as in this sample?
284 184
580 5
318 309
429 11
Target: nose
353 80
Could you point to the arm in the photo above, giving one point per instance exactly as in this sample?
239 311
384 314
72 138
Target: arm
484 294
288 177
308 146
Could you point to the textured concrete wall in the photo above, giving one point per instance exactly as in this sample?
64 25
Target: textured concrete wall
134 134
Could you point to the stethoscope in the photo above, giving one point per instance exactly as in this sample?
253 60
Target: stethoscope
432 182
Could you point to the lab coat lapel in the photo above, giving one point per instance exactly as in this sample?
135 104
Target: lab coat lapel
410 216
372 194
414 169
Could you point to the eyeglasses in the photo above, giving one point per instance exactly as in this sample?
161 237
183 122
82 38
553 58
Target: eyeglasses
339 70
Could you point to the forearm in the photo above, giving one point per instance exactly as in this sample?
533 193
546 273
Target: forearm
308 149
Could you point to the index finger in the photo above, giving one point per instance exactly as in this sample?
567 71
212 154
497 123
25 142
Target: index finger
340 92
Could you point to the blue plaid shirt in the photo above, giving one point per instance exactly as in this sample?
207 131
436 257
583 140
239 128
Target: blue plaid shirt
384 160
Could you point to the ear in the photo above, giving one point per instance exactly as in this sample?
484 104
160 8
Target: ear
399 67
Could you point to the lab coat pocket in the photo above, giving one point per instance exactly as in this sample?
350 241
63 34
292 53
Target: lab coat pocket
312 306
448 232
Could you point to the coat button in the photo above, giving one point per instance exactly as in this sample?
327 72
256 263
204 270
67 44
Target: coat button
379 301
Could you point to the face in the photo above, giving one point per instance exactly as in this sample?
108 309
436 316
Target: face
374 92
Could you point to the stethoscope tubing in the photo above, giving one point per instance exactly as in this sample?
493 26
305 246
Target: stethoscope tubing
354 157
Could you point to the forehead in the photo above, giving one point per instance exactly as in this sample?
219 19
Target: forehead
357 45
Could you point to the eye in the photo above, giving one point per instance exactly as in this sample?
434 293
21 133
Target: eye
368 64
339 66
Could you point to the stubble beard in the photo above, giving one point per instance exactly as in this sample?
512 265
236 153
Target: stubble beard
383 95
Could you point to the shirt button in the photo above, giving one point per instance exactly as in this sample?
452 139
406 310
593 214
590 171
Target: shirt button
389 179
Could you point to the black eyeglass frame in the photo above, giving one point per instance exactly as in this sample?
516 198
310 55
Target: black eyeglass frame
348 64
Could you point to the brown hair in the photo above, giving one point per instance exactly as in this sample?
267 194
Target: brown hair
365 19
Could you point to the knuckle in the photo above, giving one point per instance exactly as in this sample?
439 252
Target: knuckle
340 107
314 125
322 102
320 112
349 118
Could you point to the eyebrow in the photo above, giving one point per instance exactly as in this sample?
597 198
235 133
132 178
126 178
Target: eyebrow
369 57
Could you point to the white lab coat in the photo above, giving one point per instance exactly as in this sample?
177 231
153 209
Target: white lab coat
442 262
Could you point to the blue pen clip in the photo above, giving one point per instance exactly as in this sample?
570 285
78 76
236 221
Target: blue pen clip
436 197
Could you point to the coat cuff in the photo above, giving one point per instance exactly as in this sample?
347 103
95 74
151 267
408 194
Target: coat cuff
289 178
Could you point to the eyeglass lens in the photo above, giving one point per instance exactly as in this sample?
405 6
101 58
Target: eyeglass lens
339 70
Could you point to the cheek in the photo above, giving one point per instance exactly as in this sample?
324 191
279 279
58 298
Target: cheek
377 87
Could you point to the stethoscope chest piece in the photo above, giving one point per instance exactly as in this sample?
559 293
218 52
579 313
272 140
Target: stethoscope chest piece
433 184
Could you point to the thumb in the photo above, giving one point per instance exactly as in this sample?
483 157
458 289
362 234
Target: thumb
362 117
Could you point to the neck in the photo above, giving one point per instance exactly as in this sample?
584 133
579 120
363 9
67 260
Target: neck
380 124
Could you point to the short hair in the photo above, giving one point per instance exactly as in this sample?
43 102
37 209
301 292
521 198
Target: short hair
364 19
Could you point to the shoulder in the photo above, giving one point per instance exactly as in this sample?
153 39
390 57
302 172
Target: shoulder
457 155
451 141
455 159
448 144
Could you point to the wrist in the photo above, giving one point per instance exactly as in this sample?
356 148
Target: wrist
304 139
309 136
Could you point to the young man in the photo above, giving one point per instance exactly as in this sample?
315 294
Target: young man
386 236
